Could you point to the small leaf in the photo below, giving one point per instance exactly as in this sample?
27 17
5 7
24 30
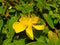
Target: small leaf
33 43
19 42
28 8
1 9
7 41
10 24
49 20
12 10
56 16
19 7
45 30
56 21
40 3
50 12
36 43
1 24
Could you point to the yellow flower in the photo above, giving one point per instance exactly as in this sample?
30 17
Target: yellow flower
26 23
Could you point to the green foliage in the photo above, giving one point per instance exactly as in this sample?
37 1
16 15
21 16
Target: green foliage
16 42
21 42
1 24
10 23
1 0
49 20
7 42
36 43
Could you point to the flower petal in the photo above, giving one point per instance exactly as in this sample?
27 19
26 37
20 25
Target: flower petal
18 27
39 27
34 19
23 20
29 33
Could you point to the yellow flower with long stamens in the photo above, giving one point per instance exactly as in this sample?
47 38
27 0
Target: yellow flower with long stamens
26 23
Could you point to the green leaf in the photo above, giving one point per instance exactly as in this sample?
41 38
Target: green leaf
45 30
12 10
1 0
33 43
4 9
49 20
1 9
50 12
28 8
36 43
7 42
50 42
19 42
56 16
41 39
10 25
16 42
19 7
40 3
1 24
58 43
56 21
52 5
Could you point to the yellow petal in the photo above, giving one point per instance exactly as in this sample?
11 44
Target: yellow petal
29 22
38 27
18 27
34 19
29 33
23 20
